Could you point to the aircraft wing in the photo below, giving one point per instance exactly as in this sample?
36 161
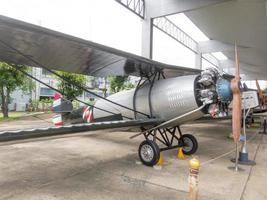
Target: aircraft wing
9 135
21 41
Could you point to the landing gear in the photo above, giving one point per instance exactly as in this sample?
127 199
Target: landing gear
149 150
190 144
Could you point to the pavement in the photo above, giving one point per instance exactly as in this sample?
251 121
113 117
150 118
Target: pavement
30 121
105 165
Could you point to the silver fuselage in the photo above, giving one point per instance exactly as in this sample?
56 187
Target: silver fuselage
169 98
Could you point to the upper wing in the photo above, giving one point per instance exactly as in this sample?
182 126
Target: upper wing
20 41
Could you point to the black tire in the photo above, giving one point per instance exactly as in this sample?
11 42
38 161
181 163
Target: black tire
149 153
191 142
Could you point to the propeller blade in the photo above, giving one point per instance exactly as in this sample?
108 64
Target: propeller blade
236 115
261 96
259 89
237 66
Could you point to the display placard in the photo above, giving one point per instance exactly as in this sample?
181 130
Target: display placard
250 99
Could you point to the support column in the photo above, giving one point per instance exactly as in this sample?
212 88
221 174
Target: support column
147 38
198 61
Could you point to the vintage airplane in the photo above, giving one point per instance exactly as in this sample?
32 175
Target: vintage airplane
166 96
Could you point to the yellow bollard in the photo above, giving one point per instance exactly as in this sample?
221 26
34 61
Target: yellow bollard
161 160
180 153
194 165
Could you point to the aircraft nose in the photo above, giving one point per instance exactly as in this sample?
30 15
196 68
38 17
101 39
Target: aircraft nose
224 91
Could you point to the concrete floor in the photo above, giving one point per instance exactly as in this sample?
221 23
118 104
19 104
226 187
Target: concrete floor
34 121
105 165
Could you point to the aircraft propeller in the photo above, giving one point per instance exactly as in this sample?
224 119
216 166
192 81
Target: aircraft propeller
260 93
235 86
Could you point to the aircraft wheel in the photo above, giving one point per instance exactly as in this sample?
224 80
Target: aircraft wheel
191 144
149 152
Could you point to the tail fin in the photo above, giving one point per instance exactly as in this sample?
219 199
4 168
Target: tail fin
57 120
88 114
60 106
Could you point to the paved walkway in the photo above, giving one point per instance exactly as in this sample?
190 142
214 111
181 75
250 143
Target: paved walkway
105 165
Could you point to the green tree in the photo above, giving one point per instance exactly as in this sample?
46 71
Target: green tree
116 83
128 86
11 79
70 91
119 83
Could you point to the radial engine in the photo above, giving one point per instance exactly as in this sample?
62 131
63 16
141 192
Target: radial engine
215 91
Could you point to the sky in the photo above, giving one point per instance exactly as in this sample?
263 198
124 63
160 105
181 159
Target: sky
105 22
102 21
96 20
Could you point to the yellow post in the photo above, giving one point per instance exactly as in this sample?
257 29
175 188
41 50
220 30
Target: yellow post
180 153
161 160
194 165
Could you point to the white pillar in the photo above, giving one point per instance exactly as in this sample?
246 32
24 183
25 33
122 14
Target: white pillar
198 61
147 38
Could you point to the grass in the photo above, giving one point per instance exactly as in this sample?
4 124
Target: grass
19 115
12 116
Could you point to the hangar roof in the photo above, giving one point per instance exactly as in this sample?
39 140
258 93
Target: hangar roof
243 21
224 22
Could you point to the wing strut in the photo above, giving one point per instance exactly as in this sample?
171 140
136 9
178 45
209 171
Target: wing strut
140 85
172 122
78 86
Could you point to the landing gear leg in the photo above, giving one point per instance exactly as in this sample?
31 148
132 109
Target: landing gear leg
190 144
149 150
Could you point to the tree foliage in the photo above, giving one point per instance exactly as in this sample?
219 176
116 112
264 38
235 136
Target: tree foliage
69 90
116 83
119 83
11 79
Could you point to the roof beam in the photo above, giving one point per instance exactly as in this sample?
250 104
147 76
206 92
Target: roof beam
245 75
251 71
136 6
229 63
216 46
173 31
162 8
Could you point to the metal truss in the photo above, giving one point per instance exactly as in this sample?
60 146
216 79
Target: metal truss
167 137
211 59
172 30
135 6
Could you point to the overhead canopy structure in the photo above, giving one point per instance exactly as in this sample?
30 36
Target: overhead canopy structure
243 21
224 22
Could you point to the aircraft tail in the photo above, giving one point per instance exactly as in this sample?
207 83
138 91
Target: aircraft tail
88 115
57 120
64 113
61 107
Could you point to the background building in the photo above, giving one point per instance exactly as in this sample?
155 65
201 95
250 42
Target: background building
20 99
